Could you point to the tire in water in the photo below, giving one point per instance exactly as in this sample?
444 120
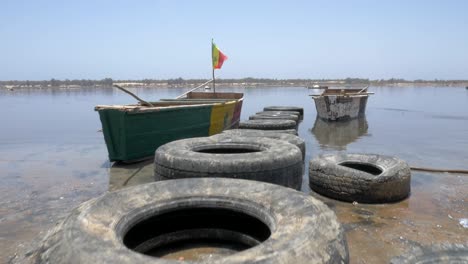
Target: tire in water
257 159
144 223
365 178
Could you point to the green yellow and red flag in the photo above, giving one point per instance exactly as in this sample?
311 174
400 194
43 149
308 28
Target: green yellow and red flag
217 56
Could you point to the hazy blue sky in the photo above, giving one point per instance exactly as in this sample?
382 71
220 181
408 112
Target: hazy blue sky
271 39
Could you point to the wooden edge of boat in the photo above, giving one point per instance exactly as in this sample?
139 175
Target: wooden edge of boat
205 95
166 105
341 94
355 92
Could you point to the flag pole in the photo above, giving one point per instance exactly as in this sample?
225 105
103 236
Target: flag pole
212 66
214 88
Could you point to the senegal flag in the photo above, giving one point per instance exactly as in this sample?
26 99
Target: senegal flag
217 56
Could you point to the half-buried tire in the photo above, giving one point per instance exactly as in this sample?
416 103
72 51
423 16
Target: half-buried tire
268 124
293 139
258 159
363 178
240 221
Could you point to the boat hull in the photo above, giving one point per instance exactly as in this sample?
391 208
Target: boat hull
340 108
135 135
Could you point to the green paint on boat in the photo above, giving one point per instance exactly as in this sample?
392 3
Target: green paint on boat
135 132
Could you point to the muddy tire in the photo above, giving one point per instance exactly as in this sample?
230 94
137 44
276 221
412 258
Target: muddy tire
268 124
292 139
136 224
436 254
362 178
295 118
285 108
258 159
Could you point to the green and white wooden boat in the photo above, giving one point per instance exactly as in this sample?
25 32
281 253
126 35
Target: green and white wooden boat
134 132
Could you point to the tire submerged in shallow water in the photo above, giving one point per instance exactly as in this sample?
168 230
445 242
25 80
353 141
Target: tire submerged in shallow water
286 117
300 110
444 253
363 178
278 113
258 159
143 223
269 113
293 139
268 124
286 131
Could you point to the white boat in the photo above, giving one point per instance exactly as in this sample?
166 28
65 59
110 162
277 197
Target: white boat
341 104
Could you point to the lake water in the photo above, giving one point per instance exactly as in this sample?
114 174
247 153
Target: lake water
53 157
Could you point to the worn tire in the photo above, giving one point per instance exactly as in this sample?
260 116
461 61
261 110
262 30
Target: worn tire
258 159
295 118
280 113
444 253
285 108
268 124
292 139
286 131
297 228
360 179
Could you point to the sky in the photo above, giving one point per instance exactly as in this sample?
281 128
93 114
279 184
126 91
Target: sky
85 39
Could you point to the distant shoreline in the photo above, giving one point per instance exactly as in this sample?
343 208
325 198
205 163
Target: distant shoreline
246 83
396 85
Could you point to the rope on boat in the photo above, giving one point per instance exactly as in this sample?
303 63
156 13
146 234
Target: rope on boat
439 170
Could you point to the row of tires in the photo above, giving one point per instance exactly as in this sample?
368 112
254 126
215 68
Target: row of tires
278 158
251 154
275 118
226 190
202 195
258 151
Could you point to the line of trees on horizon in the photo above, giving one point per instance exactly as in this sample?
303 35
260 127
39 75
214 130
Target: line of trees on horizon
248 80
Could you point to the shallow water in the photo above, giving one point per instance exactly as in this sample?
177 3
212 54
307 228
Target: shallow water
53 157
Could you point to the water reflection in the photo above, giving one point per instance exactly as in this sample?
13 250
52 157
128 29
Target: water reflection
122 175
337 135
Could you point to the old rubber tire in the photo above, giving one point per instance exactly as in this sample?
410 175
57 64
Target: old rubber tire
281 113
297 228
444 253
287 117
287 131
292 139
285 108
268 124
278 113
258 159
363 178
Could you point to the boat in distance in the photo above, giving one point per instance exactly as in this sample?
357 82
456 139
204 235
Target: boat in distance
134 132
341 104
